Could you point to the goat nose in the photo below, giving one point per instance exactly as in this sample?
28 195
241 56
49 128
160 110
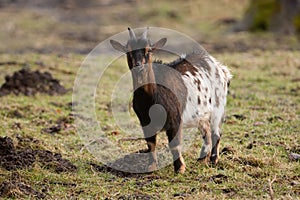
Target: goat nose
138 63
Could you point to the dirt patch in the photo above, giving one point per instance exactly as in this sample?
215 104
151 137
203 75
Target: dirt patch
239 117
63 123
228 150
250 161
138 196
29 83
274 119
16 187
219 178
17 157
231 191
11 159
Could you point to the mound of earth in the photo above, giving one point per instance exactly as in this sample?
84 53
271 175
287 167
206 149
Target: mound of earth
29 83
14 157
15 187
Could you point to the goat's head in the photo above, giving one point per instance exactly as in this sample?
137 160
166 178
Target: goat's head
138 50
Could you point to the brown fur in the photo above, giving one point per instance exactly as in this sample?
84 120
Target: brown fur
139 59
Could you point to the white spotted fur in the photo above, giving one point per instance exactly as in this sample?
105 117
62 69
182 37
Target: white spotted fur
194 112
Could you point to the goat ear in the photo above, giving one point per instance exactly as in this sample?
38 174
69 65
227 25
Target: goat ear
159 44
117 46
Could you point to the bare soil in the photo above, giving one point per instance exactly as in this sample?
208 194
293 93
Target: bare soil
15 157
29 83
15 186
22 156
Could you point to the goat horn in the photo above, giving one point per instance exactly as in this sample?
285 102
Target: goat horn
131 33
144 36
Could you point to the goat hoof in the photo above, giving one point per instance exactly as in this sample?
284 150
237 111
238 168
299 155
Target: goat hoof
181 169
214 159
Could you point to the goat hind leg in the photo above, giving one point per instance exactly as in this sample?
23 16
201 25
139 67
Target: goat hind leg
204 127
215 152
216 137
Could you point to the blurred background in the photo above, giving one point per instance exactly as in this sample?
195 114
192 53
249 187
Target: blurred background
74 26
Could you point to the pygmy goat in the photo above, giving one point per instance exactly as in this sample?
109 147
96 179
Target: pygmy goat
200 99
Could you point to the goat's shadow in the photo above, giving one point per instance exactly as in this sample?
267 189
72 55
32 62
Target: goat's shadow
132 165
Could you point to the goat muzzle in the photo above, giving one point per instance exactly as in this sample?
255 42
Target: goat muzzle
140 68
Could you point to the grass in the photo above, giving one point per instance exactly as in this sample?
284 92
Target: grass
264 91
263 114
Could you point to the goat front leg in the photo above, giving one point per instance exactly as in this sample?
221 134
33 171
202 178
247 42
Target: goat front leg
174 138
204 127
150 137
151 143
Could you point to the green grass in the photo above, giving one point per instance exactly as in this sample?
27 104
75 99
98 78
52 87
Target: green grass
264 90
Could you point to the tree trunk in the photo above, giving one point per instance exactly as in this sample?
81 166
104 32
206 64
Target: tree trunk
281 16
